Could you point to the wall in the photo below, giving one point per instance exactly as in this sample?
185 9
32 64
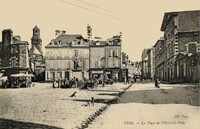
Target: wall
96 55
113 56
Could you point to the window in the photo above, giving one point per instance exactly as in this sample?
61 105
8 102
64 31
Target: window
111 53
117 53
13 61
103 63
47 75
76 53
52 75
96 64
69 65
191 48
84 64
59 75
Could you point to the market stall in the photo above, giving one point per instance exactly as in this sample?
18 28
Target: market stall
3 81
20 80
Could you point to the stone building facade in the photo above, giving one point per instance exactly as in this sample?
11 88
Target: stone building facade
181 45
97 58
67 56
151 62
148 63
159 58
105 58
14 57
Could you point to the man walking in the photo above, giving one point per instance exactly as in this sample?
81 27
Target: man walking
156 81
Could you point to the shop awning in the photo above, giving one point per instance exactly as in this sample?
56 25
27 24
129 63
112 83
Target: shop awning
22 75
4 78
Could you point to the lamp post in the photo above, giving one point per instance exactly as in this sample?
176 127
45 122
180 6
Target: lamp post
103 80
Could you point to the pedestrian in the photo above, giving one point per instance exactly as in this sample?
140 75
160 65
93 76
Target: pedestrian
125 80
92 101
59 83
54 83
76 82
156 81
141 78
66 83
135 78
115 80
95 82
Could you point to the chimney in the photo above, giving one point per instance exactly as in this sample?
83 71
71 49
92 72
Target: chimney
52 42
63 32
7 35
89 32
57 32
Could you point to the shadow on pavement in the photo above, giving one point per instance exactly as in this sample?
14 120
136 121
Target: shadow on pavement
178 95
13 124
95 100
101 90
112 94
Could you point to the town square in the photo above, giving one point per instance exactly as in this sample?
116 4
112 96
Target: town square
88 64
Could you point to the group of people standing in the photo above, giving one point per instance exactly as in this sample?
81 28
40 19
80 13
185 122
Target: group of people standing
70 83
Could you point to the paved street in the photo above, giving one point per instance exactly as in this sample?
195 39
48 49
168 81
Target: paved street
143 106
42 106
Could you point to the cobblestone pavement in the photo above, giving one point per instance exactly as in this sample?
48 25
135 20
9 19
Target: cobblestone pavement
42 106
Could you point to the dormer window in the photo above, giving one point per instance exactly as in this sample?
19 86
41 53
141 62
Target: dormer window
59 42
98 43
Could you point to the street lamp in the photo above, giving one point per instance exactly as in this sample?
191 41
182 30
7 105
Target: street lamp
103 80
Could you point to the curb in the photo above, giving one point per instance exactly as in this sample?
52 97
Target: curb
108 102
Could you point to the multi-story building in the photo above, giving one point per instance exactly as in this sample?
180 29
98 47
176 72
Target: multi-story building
97 58
151 62
14 58
113 57
36 55
160 58
125 58
148 63
105 56
181 34
145 63
67 56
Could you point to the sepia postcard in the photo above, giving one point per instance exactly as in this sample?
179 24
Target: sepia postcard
99 64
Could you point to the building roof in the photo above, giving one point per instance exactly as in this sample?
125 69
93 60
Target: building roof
15 39
159 41
166 18
67 40
168 15
144 53
20 43
98 43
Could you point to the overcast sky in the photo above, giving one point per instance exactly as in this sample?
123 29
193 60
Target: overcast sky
138 20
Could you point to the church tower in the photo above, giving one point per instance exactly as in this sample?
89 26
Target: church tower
36 55
36 41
